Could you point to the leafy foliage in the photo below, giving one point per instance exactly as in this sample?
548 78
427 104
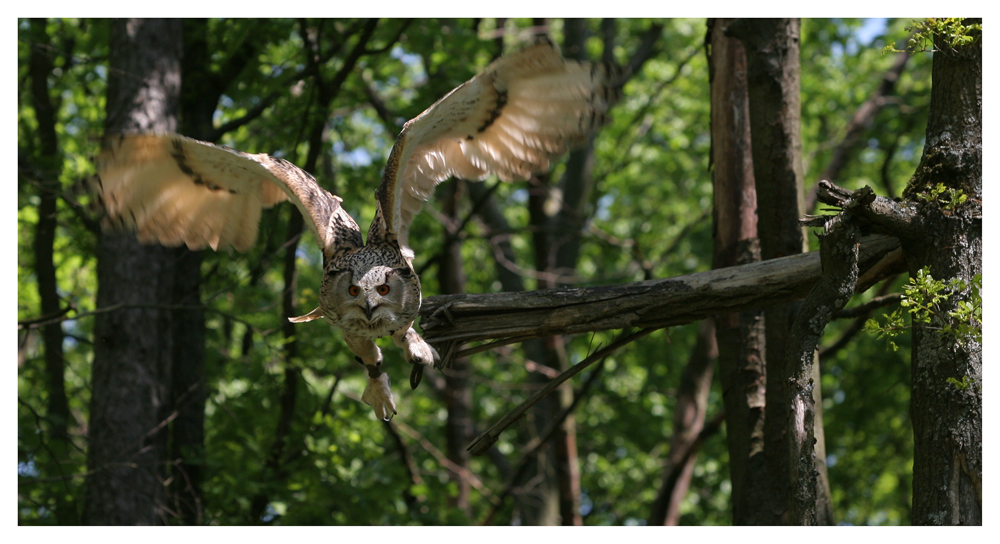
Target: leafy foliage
948 198
952 29
923 298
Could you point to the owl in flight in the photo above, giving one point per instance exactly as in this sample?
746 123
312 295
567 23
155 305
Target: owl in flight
509 120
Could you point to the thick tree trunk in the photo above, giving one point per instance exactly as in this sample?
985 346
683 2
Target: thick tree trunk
772 50
947 417
943 236
773 88
133 348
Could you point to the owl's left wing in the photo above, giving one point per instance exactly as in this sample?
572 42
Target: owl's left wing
509 120
176 190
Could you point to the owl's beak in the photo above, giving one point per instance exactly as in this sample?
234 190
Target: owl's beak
370 307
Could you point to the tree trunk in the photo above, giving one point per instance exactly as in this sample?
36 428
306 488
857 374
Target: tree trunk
940 226
947 416
458 388
187 430
772 50
49 160
542 506
740 335
131 383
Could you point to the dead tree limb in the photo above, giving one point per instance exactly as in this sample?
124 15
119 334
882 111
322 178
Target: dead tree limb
503 318
875 213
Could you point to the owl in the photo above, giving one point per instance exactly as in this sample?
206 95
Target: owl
509 121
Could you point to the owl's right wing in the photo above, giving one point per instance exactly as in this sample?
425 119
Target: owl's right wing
510 120
176 190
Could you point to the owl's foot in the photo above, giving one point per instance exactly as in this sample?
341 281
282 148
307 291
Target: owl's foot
378 395
418 353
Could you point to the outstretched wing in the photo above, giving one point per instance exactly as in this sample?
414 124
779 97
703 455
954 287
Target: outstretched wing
172 189
509 120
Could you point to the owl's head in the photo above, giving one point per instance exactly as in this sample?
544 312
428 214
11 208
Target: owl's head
371 300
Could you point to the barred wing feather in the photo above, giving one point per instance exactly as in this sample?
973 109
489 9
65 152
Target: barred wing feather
510 120
176 190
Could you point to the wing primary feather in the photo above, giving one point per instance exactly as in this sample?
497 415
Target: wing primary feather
172 189
509 120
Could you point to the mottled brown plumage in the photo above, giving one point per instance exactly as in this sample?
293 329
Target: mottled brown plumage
507 121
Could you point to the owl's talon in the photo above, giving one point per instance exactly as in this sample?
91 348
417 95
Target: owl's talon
419 354
378 395
416 373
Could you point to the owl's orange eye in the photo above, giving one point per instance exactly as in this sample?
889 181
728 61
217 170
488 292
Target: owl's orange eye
354 290
382 289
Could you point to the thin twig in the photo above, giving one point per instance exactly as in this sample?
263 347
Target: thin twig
412 471
866 308
38 322
443 460
534 445
451 237
859 320
486 439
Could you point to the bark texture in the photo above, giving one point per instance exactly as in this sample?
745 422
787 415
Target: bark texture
740 334
947 418
131 383
944 237
839 257
772 50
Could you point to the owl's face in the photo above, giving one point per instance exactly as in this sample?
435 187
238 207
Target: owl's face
370 300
